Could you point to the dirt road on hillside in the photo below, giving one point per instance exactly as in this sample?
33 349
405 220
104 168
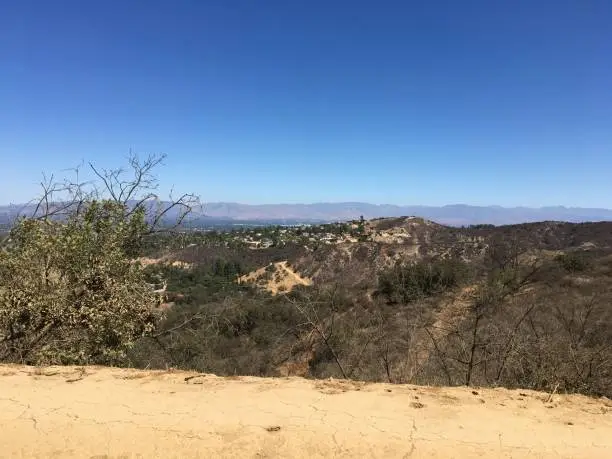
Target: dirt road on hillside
96 412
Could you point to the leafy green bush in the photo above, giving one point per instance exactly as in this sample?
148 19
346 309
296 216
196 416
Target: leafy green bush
409 282
69 292
70 289
573 262
202 283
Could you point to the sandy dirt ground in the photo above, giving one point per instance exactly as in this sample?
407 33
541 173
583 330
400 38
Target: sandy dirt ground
97 412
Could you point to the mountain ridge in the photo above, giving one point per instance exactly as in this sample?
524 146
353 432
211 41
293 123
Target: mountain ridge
451 214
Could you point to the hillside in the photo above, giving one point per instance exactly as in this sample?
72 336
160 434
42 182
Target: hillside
405 331
275 278
347 254
66 412
401 300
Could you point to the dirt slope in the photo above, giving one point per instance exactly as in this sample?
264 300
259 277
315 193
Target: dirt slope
110 413
281 278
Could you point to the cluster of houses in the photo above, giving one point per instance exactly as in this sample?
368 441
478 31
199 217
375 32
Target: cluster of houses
280 237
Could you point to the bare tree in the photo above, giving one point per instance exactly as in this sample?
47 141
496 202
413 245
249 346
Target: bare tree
324 329
465 344
135 188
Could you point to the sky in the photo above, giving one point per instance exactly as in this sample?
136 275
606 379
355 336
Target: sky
278 101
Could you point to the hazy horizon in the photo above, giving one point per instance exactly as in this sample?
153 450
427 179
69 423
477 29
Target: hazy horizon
369 203
454 214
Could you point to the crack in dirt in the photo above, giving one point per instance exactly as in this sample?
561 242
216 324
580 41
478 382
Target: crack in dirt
227 418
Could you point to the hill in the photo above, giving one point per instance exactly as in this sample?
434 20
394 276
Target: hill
395 299
66 412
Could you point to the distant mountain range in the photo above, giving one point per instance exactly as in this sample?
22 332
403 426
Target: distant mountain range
456 214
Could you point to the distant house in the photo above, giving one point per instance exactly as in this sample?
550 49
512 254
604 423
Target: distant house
253 244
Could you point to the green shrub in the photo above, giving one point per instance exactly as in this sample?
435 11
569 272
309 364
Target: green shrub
409 282
573 262
69 292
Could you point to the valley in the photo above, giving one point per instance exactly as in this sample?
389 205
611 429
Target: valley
400 300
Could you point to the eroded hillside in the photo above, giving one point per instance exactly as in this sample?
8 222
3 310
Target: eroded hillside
397 300
275 278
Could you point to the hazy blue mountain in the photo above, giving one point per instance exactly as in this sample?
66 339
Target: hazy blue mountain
456 214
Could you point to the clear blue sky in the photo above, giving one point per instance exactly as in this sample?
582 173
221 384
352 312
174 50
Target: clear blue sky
406 102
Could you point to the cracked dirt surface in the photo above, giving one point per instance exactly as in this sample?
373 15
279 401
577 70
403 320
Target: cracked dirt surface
95 412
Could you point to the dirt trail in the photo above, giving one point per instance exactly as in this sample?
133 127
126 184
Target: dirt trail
281 279
110 413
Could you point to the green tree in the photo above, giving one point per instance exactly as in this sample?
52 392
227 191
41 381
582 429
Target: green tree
71 291
405 283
